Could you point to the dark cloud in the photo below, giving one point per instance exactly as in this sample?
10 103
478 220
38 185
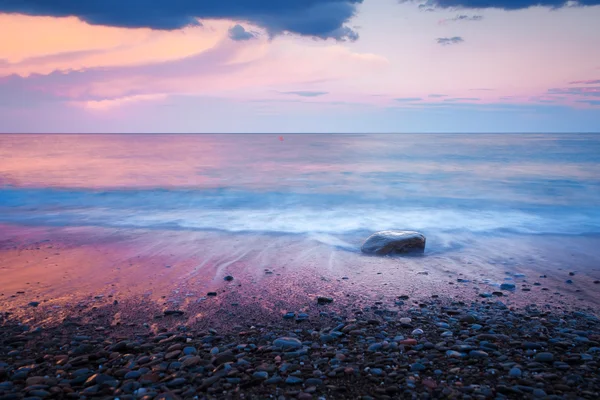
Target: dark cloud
317 18
577 91
238 33
306 93
344 33
502 4
588 82
437 96
450 40
408 99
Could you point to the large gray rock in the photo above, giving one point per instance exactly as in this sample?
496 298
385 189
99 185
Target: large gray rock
394 242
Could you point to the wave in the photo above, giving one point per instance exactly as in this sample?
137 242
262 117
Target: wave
316 214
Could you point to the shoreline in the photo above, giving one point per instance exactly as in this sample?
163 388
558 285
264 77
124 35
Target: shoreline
433 326
57 266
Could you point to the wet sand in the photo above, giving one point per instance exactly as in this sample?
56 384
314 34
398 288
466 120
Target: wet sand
66 267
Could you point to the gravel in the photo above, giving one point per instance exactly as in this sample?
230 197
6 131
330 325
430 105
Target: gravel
512 353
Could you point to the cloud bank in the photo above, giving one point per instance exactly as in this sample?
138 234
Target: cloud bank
317 18
305 93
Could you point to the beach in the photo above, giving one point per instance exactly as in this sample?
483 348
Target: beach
299 199
194 266
131 314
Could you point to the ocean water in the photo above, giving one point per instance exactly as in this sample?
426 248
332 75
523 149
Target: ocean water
494 208
332 188
334 184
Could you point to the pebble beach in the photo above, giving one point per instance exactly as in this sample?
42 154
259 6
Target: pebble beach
433 349
239 267
291 335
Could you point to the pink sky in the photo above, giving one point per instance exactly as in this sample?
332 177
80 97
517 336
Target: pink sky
96 76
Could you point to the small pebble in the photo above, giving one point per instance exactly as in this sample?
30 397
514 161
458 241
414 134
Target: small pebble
515 372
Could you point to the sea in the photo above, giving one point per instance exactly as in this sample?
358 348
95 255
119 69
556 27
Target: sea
499 199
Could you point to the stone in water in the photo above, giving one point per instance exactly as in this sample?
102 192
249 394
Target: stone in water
394 242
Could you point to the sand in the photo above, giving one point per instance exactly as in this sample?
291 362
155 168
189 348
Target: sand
62 267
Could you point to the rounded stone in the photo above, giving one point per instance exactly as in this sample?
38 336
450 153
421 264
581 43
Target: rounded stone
260 375
515 372
417 367
133 375
292 380
287 343
478 354
375 347
394 242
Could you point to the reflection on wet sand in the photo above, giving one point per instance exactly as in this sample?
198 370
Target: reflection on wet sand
62 267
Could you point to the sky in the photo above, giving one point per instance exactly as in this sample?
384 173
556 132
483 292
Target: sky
299 66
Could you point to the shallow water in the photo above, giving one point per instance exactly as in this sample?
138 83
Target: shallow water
491 206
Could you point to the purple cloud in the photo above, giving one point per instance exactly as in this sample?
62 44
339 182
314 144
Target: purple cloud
446 41
590 102
462 99
462 18
408 99
305 93
588 82
577 91
146 79
467 18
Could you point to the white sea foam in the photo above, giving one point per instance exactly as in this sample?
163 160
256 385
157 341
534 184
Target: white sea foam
321 224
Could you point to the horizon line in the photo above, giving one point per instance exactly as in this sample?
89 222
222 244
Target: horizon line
300 133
